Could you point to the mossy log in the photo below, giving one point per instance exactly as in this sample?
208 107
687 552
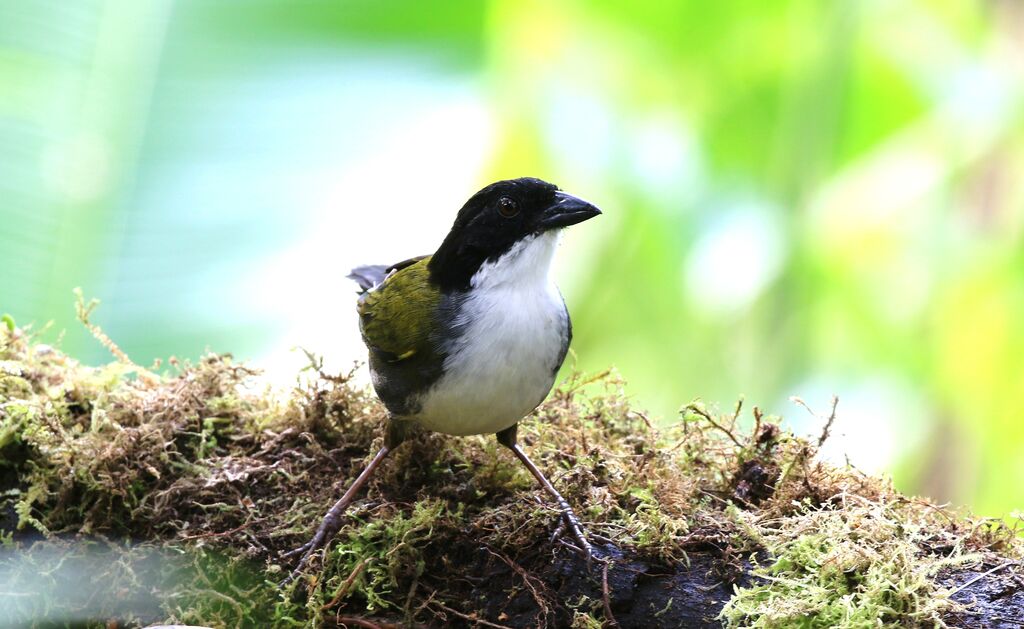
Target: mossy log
133 500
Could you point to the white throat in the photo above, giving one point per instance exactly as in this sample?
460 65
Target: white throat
515 330
527 263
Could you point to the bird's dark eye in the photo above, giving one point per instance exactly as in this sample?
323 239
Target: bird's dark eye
507 207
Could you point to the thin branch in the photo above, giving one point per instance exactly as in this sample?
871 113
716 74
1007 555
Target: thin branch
83 311
828 422
213 534
696 409
360 622
981 576
527 578
479 621
647 421
736 413
343 590
606 599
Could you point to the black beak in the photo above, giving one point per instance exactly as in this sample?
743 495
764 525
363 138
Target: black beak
567 210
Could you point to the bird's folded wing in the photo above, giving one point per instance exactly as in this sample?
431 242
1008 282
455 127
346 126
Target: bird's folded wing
398 316
370 275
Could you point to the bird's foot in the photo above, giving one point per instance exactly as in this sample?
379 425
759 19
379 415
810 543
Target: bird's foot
571 522
558 532
507 438
330 525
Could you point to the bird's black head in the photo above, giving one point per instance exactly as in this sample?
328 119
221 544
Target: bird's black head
496 218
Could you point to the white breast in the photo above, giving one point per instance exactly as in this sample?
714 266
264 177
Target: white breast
513 329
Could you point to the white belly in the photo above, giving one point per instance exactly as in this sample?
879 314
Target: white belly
503 364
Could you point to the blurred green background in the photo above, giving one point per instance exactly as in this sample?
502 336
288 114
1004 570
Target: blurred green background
801 197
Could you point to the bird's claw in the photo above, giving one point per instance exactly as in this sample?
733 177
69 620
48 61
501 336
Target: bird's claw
587 550
319 541
296 551
584 548
558 532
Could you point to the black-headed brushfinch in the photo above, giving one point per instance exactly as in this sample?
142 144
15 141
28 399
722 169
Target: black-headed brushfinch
468 340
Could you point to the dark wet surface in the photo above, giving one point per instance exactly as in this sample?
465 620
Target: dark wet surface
994 593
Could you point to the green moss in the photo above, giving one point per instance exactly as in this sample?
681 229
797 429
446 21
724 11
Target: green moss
189 485
865 565
652 529
389 549
584 620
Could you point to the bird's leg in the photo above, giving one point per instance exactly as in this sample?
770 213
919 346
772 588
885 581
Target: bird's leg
332 521
507 438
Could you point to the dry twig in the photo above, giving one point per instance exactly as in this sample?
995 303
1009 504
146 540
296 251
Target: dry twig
361 622
343 590
707 416
527 578
606 599
981 576
479 621
828 422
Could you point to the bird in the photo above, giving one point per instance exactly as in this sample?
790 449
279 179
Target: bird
469 340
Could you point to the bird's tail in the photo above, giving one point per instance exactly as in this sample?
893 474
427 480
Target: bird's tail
368 276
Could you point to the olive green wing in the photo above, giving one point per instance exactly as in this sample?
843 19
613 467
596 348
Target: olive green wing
398 316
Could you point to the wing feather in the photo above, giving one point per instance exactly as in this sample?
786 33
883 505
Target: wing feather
396 317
